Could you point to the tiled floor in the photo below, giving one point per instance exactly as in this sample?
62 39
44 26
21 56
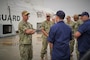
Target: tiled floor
9 49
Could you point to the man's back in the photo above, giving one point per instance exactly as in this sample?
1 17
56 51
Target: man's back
63 31
62 36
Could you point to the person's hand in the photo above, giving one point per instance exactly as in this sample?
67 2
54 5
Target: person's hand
33 31
30 31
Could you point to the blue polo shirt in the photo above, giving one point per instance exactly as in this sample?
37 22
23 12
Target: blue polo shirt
84 39
60 35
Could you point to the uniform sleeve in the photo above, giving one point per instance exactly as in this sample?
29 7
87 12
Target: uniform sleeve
42 25
71 35
51 37
73 27
82 28
32 26
22 27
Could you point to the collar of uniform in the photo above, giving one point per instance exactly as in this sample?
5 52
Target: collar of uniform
24 21
60 21
47 21
87 20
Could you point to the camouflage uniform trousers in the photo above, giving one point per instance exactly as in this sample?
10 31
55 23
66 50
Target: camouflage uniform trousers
26 52
44 47
77 52
72 42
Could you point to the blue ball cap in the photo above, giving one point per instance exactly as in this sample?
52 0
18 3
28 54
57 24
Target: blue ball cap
60 14
84 14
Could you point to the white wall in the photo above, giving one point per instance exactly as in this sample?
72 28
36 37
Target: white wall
70 7
3 10
16 7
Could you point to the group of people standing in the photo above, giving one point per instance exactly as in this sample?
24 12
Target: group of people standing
60 36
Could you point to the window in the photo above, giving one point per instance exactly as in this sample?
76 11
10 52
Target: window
7 29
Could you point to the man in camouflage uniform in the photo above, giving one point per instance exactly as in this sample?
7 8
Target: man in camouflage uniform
72 25
45 30
78 22
25 41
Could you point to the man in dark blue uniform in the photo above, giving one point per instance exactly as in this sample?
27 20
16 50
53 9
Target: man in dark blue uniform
83 34
59 37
